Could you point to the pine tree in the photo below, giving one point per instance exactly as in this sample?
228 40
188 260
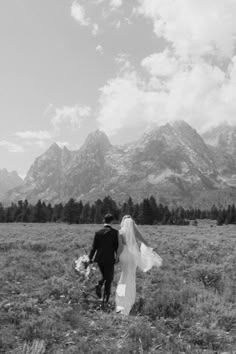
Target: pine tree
98 218
57 213
136 213
110 206
147 212
214 212
2 213
85 214
166 216
70 212
124 209
154 210
130 207
220 218
160 213
233 214
37 215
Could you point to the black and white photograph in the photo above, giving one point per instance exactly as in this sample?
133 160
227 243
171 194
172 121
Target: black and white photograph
118 176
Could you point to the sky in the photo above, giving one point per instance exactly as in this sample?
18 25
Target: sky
70 67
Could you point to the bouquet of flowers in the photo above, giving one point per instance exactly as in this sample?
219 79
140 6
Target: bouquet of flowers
82 266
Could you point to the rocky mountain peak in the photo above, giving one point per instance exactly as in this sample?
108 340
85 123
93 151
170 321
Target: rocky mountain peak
97 140
190 137
54 149
9 180
65 148
223 136
184 129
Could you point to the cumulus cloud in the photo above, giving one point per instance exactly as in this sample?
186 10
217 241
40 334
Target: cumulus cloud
78 13
193 78
125 104
116 3
95 29
202 95
160 64
195 27
70 116
11 147
99 49
123 62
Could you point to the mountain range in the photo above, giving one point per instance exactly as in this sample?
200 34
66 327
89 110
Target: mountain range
8 180
173 162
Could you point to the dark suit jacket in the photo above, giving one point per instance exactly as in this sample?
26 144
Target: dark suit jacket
105 245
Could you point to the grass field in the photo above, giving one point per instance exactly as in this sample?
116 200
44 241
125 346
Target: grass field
187 306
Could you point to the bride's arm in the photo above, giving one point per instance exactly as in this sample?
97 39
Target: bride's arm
139 236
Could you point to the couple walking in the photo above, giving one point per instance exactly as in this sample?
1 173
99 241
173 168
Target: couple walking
111 246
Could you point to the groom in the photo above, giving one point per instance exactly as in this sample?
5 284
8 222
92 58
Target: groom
105 245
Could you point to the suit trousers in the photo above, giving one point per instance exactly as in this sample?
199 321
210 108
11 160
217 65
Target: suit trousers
107 271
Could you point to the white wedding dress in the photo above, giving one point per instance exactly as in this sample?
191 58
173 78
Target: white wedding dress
132 257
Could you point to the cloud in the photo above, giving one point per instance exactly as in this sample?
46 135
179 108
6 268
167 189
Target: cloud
95 29
203 95
122 104
160 64
99 49
115 4
194 28
70 116
11 147
118 24
35 138
39 135
48 110
123 62
78 13
34 142
193 78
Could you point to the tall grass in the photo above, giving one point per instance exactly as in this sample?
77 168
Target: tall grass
188 306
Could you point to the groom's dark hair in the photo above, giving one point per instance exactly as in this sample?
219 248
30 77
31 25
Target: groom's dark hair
108 218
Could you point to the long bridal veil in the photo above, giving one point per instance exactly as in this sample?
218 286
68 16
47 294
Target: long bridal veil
145 257
128 233
132 257
149 258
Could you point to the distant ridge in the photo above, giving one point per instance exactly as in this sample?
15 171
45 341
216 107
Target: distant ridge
8 180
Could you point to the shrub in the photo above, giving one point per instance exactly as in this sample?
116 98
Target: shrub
211 276
141 334
207 338
227 321
166 303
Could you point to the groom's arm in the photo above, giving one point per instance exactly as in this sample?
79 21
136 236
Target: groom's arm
120 247
94 248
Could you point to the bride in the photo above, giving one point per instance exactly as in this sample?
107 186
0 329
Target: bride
131 257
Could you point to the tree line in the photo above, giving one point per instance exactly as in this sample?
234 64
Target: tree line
146 212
